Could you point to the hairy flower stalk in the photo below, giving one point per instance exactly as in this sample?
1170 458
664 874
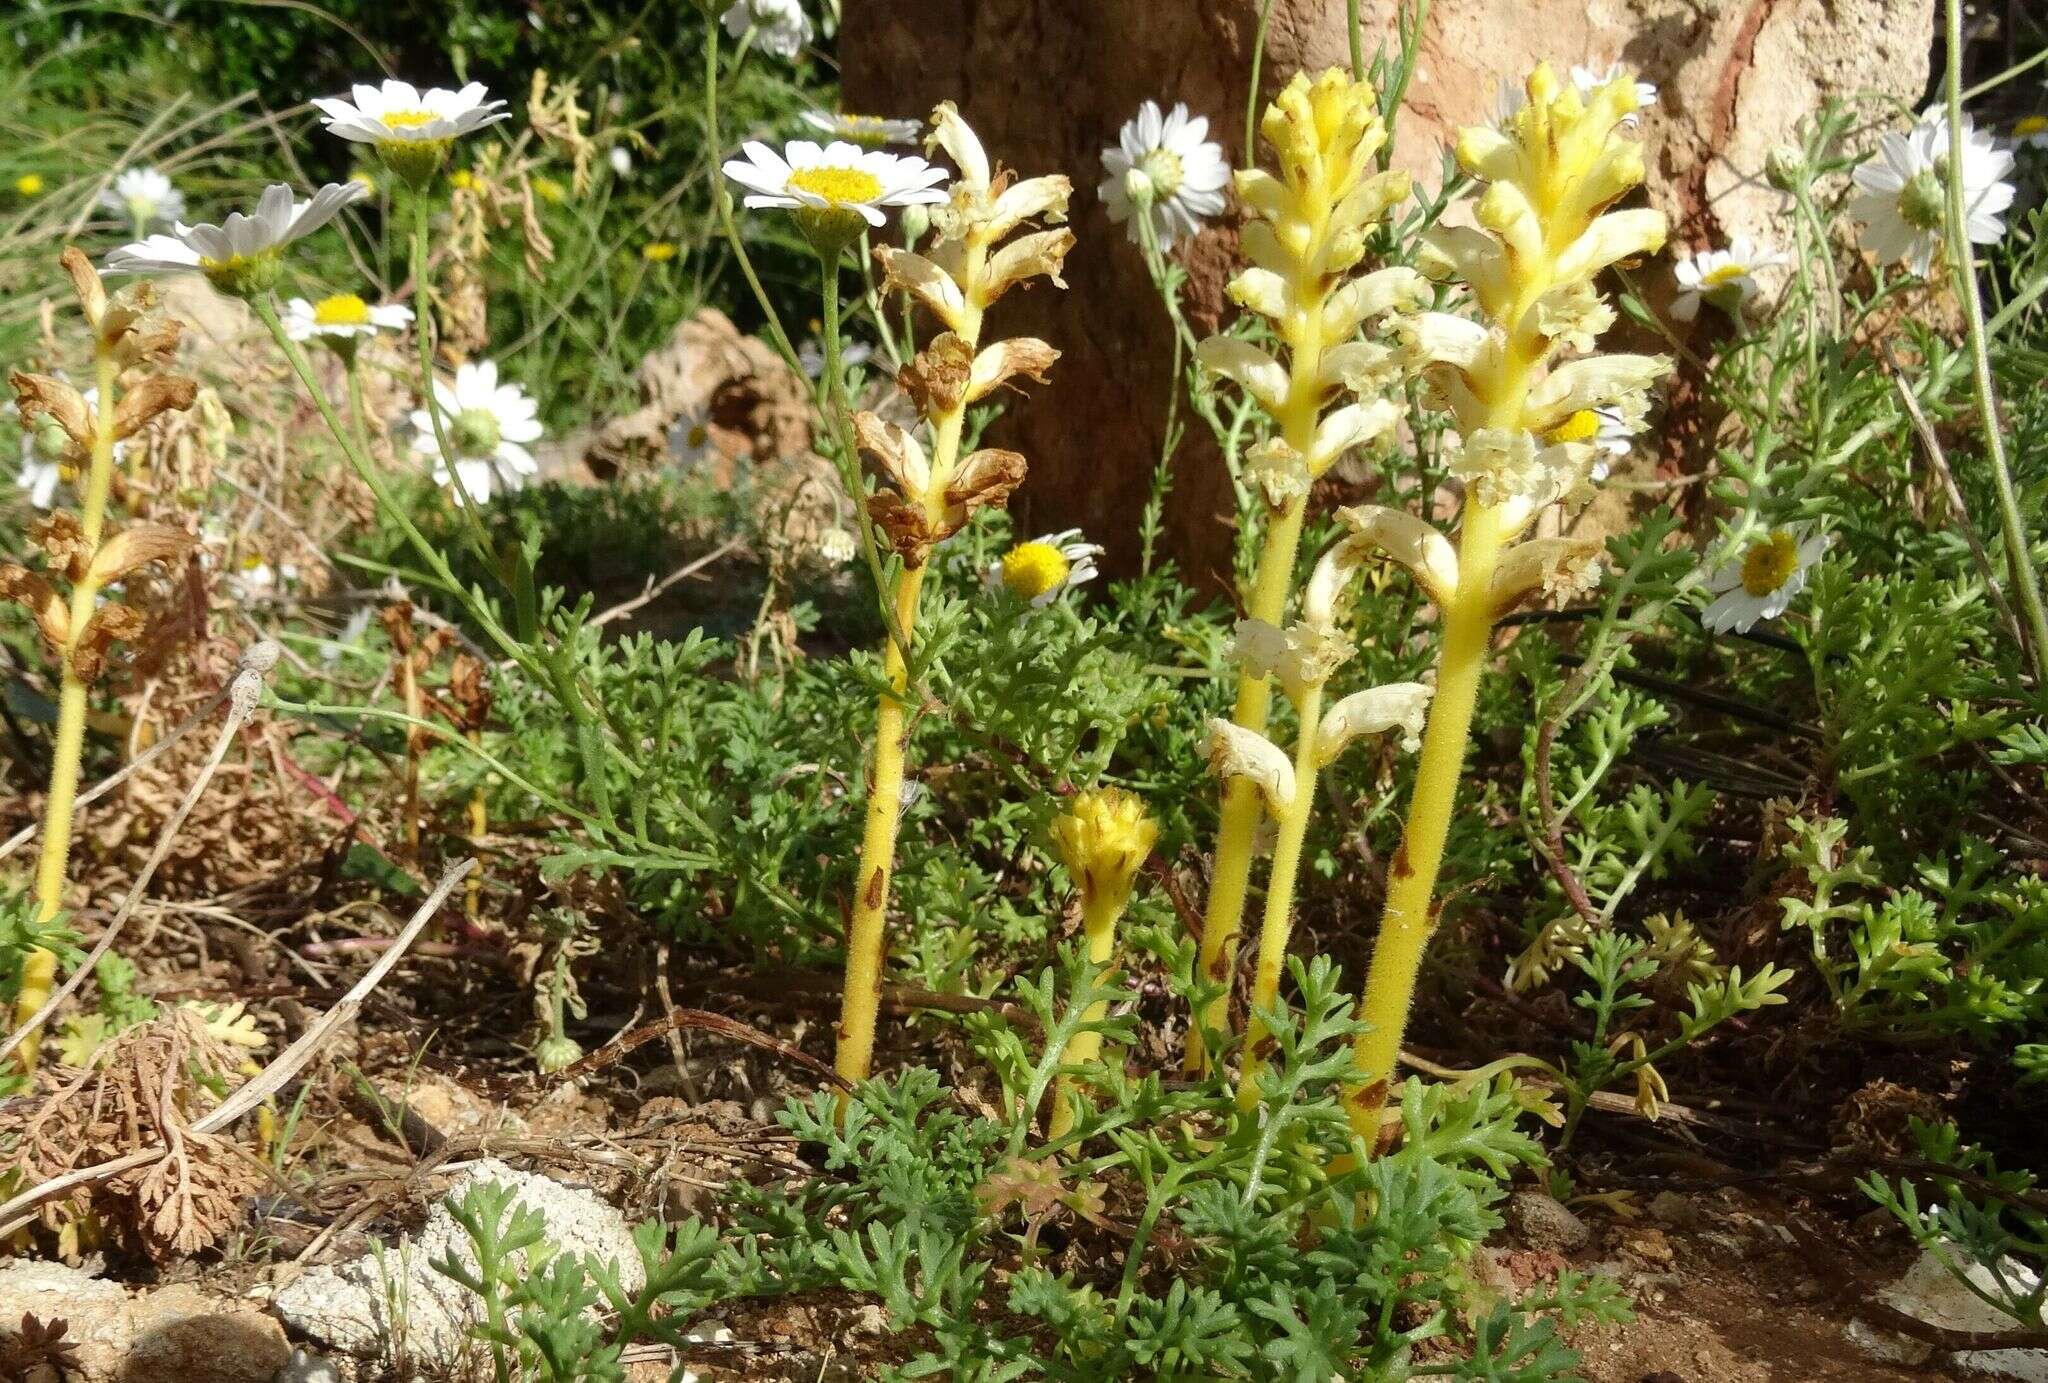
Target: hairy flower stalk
1303 658
930 496
1544 233
1310 233
78 632
1103 838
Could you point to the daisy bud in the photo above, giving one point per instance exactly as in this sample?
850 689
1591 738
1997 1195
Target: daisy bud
1103 838
1785 168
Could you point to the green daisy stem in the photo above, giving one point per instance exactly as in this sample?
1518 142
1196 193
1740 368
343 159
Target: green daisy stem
423 337
722 200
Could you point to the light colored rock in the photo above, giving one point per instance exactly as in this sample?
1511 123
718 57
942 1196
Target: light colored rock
395 1298
306 1367
195 1336
95 1313
1541 1222
1929 1292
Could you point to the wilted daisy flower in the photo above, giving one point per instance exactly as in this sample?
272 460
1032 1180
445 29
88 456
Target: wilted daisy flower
342 318
1039 570
1725 278
837 546
2030 132
410 129
1763 581
781 28
240 255
873 131
145 196
838 178
255 576
1902 198
39 472
487 424
1167 165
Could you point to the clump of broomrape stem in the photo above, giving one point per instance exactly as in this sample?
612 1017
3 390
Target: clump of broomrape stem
1522 387
1308 239
79 629
1103 838
974 257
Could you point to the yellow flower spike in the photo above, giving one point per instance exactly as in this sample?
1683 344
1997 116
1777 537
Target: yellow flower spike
1526 422
1313 220
1103 838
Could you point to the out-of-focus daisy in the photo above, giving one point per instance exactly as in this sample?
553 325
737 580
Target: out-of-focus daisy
364 178
658 251
1167 165
837 546
29 185
872 131
1902 198
2030 132
410 129
690 442
1725 278
781 28
40 468
488 425
621 160
1587 81
1606 429
241 254
254 575
550 191
839 177
1040 569
1762 582
811 355
145 196
342 318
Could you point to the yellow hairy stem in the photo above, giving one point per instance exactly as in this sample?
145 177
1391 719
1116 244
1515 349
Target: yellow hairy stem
1099 917
39 967
1278 922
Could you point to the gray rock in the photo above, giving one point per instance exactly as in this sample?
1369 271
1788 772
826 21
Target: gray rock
393 1307
304 1367
1542 1222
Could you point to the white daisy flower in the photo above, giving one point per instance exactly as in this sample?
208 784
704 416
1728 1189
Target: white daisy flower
1763 581
1725 278
1605 429
1039 570
145 196
342 317
1169 164
1587 81
38 476
781 28
488 425
839 177
1902 200
621 160
240 255
400 113
256 576
690 442
811 355
873 131
2030 132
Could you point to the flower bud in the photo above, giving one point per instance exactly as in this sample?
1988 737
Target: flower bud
1785 168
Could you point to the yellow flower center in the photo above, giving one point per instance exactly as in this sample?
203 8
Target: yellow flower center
251 561
837 186
408 119
1769 563
462 178
1031 569
342 310
29 184
1582 426
2031 125
548 189
864 129
658 251
365 179
1163 167
1724 275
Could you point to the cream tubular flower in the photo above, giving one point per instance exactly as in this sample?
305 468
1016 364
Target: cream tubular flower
1401 706
488 426
1165 167
836 178
781 28
1763 582
1725 278
241 255
1246 366
145 196
1902 200
1562 567
342 317
868 131
1041 569
1235 752
1411 541
1353 425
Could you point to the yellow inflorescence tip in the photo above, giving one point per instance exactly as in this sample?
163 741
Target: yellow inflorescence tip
1103 837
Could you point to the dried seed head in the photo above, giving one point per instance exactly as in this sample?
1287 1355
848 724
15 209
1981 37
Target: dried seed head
63 542
111 623
937 379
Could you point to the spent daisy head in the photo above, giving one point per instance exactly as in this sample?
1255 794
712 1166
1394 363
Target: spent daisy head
836 188
870 131
487 425
1040 569
1902 194
1164 167
411 130
146 197
340 320
242 254
1725 278
780 27
1762 579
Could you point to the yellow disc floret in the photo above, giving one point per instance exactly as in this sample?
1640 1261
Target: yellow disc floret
658 251
341 310
1769 563
408 119
1723 275
2029 126
1582 426
1032 569
837 186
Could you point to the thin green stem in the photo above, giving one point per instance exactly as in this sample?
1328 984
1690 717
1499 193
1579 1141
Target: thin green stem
722 200
1251 99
